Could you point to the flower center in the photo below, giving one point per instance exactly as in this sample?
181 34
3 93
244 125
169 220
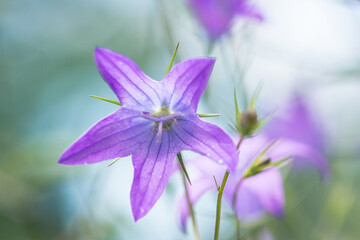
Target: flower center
163 120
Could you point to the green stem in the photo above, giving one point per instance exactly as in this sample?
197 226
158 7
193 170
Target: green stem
237 222
218 205
239 143
219 198
191 209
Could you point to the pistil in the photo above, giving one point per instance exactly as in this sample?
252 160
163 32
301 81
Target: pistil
161 123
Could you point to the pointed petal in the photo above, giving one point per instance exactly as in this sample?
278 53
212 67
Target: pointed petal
296 123
130 84
206 139
300 152
114 136
152 167
196 190
185 83
250 11
268 189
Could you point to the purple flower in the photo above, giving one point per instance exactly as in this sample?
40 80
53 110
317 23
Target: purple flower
216 16
298 126
156 121
262 192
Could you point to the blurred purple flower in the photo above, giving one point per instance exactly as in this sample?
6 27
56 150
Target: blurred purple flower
299 126
216 16
156 121
264 191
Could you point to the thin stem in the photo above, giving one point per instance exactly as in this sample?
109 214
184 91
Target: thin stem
219 198
239 143
192 214
218 205
237 222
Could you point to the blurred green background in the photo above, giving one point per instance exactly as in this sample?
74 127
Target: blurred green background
47 73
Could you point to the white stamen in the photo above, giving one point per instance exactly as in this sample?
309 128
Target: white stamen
159 133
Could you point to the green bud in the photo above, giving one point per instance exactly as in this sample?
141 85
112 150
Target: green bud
264 163
247 122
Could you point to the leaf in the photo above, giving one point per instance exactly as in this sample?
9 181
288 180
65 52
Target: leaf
181 161
255 96
237 111
204 115
114 161
107 100
172 58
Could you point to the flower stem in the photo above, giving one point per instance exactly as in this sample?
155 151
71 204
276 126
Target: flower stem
239 143
237 221
218 205
191 209
219 198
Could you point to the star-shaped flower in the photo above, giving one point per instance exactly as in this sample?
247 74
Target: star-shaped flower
216 16
156 121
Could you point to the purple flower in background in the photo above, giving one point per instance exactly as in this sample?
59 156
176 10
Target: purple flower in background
262 192
156 121
216 16
297 125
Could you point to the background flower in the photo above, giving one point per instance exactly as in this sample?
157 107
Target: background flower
258 193
217 16
298 126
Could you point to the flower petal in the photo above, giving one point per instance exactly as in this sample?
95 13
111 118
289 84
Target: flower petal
117 135
152 167
206 139
196 190
248 206
268 188
250 11
296 123
214 15
300 152
185 83
130 84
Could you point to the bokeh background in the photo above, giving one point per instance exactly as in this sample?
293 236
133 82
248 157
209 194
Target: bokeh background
47 72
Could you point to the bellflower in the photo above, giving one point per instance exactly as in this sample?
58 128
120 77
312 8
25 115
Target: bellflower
216 16
298 126
156 120
264 191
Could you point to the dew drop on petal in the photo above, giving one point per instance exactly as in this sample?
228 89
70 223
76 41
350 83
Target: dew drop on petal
221 160
142 210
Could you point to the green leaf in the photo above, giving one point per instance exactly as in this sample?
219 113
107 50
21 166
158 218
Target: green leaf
217 185
237 111
172 59
255 96
114 161
204 115
281 163
181 161
107 100
263 121
259 157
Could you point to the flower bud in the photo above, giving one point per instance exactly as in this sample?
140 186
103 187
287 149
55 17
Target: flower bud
247 122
